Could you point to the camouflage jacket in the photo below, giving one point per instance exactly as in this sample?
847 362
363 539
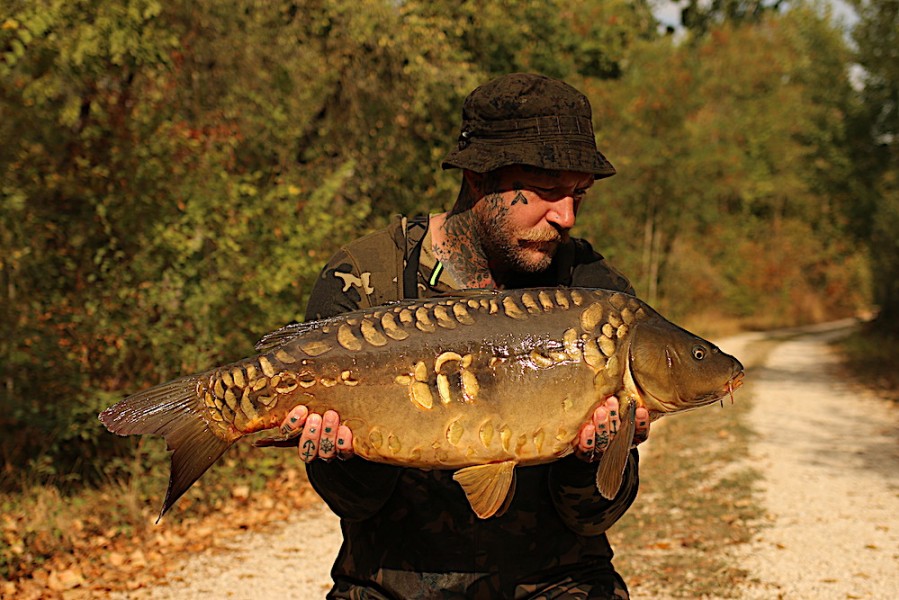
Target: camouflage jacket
410 533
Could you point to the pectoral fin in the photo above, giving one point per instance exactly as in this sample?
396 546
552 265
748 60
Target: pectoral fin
489 488
614 459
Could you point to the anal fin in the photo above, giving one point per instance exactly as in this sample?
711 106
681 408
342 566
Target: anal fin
489 488
611 466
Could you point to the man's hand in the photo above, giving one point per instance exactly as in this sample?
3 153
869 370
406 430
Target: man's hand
322 435
597 433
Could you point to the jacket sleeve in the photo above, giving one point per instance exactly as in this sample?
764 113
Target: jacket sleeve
572 481
572 487
354 489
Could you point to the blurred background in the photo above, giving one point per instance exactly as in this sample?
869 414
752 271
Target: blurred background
174 174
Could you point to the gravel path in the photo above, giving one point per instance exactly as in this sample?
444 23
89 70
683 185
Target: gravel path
292 562
830 459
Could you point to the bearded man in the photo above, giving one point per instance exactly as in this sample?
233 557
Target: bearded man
528 156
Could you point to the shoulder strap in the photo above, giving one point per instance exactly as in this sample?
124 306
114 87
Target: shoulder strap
416 228
387 260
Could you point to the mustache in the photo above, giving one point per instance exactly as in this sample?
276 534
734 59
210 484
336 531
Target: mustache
544 235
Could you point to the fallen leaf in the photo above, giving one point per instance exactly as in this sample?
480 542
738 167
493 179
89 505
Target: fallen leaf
64 580
138 559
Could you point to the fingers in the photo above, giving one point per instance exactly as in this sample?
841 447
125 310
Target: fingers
593 437
309 441
604 425
641 433
327 448
293 423
321 436
585 441
344 442
602 419
614 416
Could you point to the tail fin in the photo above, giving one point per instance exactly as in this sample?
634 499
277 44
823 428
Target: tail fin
611 466
174 411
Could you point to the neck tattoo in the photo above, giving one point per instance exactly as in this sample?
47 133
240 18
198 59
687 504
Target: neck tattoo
461 252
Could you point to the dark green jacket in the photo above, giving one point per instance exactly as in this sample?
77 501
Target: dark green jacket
410 533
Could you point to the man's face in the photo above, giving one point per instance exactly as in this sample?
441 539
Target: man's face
525 213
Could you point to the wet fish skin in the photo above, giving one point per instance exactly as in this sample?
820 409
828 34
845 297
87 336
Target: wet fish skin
479 383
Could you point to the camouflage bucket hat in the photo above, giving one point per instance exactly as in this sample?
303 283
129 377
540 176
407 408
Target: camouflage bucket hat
526 119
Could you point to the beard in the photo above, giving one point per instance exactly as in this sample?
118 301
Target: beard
518 250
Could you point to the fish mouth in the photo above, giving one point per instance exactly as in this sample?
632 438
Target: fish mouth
733 384
728 390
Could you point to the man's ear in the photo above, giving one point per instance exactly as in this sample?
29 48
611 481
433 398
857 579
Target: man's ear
482 184
475 182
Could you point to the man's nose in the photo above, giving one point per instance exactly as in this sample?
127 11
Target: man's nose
562 213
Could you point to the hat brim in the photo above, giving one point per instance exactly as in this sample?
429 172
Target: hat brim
481 156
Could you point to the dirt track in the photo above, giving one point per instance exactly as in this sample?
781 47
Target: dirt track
829 453
830 458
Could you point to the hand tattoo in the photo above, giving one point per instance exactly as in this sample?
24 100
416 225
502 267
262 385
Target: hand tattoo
308 450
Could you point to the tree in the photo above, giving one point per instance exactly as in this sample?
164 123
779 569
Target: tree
732 171
876 36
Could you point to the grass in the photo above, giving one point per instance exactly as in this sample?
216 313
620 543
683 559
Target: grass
872 359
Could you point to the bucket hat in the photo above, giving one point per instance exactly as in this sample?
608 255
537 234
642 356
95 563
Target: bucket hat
527 119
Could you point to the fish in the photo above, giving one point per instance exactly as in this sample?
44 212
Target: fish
480 383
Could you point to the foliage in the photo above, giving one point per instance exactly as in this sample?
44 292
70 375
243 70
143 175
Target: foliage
877 147
701 16
173 175
731 161
870 359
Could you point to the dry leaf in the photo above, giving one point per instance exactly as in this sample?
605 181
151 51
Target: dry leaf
64 580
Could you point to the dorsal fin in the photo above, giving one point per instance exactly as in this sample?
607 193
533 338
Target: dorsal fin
279 337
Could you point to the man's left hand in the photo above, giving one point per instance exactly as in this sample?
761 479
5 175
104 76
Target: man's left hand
596 435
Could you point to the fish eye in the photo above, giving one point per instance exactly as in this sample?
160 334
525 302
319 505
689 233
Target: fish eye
698 352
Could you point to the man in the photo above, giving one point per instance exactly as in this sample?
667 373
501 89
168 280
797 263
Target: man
528 156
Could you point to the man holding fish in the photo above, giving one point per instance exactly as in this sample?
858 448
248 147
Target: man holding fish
528 156
482 363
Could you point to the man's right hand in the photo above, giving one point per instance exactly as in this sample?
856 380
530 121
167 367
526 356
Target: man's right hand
323 436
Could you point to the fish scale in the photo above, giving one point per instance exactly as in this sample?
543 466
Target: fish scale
481 384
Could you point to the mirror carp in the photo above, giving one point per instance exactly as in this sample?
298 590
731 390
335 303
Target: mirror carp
479 383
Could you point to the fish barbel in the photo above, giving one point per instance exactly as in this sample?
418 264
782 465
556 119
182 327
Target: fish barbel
480 383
